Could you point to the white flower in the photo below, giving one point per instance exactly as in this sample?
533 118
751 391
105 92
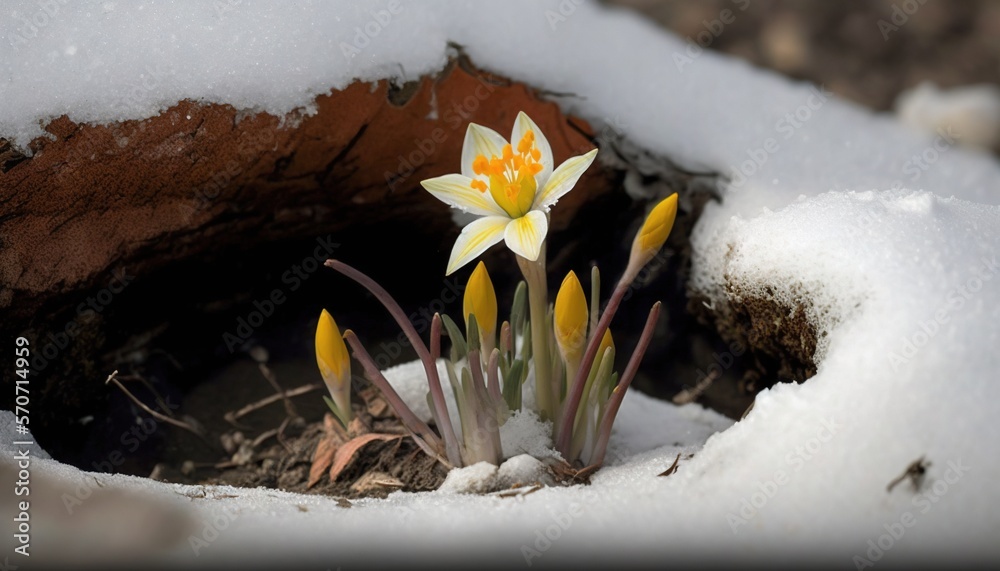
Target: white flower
511 188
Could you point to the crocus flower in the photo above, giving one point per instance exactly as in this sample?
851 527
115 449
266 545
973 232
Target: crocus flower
571 319
654 231
481 301
334 364
510 185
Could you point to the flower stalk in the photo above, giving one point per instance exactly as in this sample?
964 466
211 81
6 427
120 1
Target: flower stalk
538 305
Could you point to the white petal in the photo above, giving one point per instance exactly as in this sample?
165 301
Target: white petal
524 123
480 140
455 191
475 239
524 235
563 179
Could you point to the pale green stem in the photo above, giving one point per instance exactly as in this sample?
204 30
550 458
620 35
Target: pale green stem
538 304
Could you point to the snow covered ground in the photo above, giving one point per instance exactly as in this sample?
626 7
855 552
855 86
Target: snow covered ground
890 234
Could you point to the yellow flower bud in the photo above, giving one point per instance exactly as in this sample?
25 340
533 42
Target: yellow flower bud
606 342
481 301
334 362
571 318
655 230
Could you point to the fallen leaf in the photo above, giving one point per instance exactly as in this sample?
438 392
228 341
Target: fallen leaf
321 460
333 437
346 453
673 467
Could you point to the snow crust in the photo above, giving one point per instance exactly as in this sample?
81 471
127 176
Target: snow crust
888 235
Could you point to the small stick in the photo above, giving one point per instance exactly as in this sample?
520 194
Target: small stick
232 416
280 435
691 394
915 471
269 375
180 424
149 386
263 436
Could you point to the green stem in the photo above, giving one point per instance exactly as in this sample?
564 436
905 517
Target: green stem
538 305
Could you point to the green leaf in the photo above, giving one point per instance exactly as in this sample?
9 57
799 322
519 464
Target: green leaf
458 344
518 309
512 384
595 297
336 411
472 331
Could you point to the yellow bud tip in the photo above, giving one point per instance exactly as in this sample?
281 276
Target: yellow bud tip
481 300
331 353
657 226
571 315
606 342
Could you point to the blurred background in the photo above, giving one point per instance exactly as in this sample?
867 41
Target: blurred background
844 46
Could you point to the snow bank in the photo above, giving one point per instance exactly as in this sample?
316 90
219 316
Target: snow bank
890 234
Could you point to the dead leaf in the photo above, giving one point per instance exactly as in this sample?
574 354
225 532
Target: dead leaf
375 482
322 459
673 467
333 437
346 453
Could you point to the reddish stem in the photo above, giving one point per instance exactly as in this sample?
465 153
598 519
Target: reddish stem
615 402
409 419
430 365
564 435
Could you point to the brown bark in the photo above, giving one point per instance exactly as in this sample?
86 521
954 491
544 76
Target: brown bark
200 177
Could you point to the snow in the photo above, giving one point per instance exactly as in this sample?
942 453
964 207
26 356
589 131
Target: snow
888 235
8 436
475 479
525 433
971 111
